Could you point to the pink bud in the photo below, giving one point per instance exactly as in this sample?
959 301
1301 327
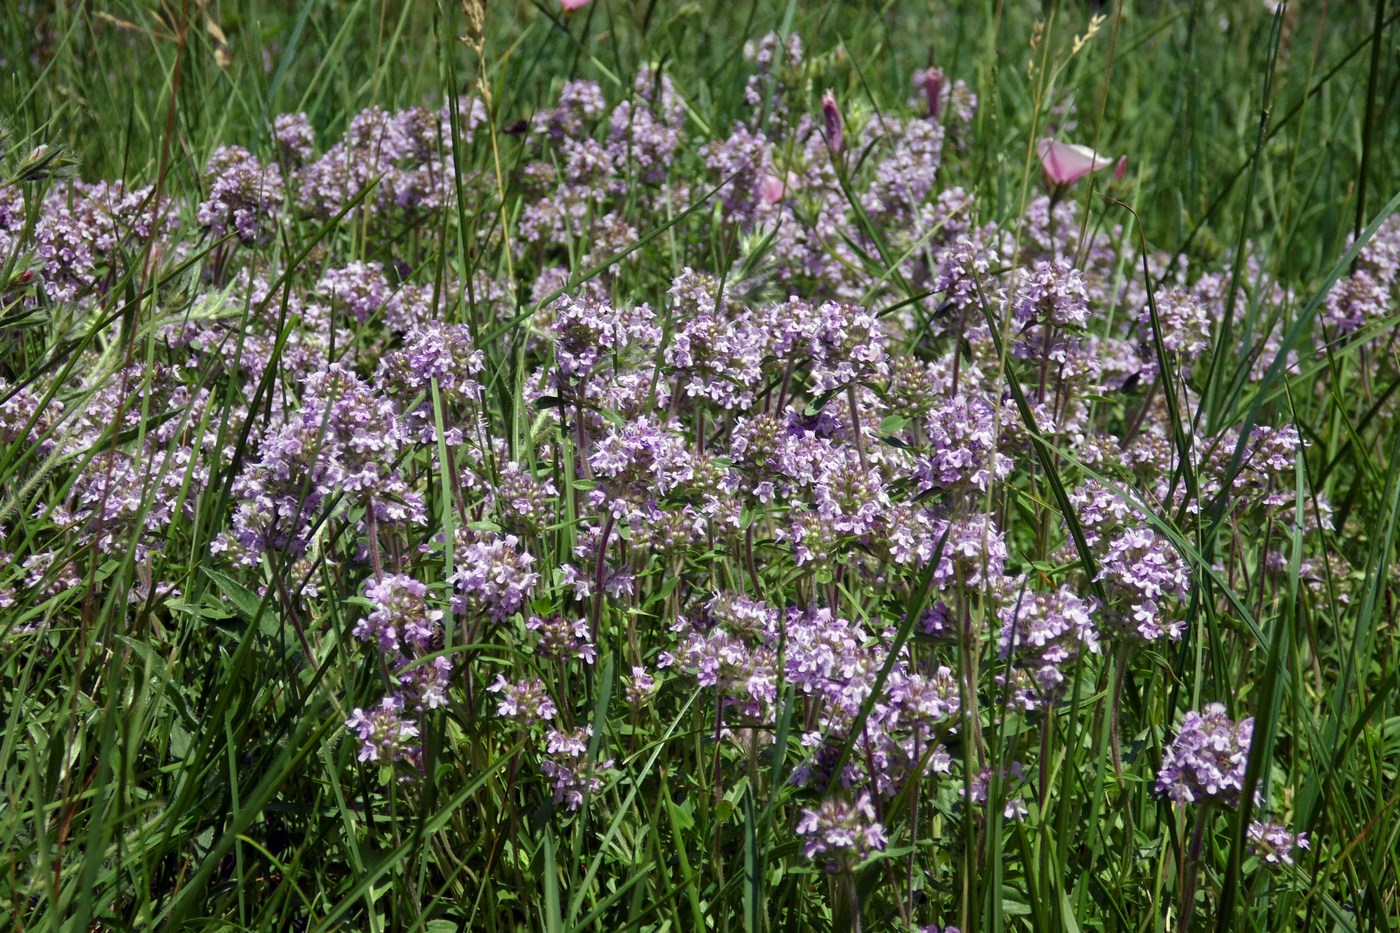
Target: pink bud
1121 170
1065 163
831 117
933 90
571 5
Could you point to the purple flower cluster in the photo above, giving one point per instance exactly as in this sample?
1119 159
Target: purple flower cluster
1206 761
295 137
494 574
1146 579
964 442
359 289
1042 634
442 357
1274 844
85 234
1051 294
568 768
733 647
244 195
340 447
1185 323
385 734
397 163
408 632
526 701
843 833
25 417
1013 776
1371 288
906 176
564 640
12 219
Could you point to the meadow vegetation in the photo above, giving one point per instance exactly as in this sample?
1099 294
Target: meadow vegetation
628 465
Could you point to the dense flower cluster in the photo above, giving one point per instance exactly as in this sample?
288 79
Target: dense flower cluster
1274 843
1206 761
569 769
1371 288
385 733
840 832
1043 633
243 194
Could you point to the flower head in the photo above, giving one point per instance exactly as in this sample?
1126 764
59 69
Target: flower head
525 701
773 188
845 833
1066 163
1207 759
384 733
1274 844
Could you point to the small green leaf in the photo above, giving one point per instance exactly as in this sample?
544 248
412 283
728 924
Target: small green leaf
893 424
243 599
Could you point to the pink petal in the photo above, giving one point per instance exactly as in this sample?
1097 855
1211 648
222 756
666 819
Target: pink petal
572 5
1065 162
774 189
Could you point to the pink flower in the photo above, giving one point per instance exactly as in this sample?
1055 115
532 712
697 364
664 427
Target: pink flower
1066 163
571 5
775 189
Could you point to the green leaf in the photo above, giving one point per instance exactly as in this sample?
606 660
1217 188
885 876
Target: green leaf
893 424
243 599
